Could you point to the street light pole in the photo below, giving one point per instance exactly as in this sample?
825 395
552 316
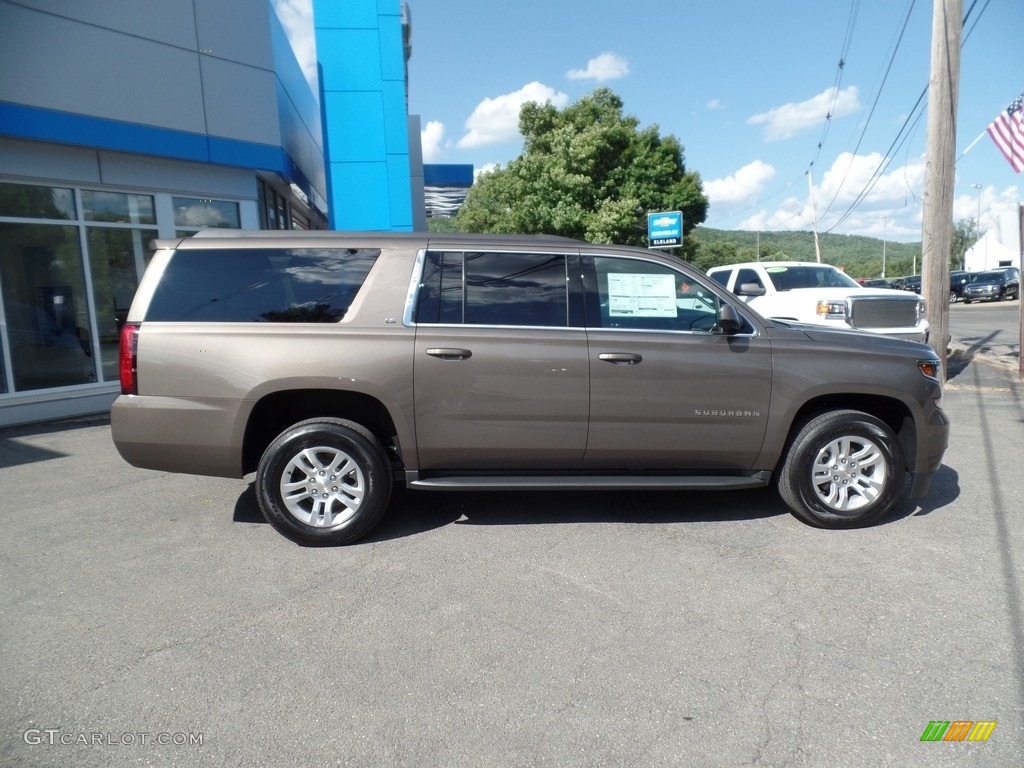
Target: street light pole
884 223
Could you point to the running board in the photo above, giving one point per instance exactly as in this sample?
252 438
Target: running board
587 483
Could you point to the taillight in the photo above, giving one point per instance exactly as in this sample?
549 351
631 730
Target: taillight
128 360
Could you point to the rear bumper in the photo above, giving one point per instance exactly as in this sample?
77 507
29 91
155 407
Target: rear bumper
177 435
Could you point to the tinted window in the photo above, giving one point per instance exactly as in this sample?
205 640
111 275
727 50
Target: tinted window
483 288
440 299
299 285
722 277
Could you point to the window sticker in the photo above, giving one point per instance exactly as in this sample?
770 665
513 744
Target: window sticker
640 295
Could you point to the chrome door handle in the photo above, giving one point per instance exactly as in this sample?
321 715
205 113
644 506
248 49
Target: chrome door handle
620 358
449 353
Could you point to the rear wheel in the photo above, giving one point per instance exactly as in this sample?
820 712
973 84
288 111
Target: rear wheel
952 297
324 481
844 469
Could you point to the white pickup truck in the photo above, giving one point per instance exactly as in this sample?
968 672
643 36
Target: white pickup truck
821 294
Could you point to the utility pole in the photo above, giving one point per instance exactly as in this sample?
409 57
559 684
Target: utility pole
885 220
940 156
814 217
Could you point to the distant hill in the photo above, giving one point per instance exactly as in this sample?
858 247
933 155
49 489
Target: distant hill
859 256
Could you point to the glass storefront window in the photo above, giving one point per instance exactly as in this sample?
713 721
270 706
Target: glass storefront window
198 213
45 306
32 202
112 259
117 207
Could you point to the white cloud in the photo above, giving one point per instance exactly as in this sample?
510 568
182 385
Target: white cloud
794 118
431 138
746 184
714 104
607 66
297 19
485 168
891 208
496 120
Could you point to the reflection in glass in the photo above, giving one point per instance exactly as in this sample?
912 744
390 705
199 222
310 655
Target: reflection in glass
117 207
45 306
112 259
516 289
310 285
195 212
34 202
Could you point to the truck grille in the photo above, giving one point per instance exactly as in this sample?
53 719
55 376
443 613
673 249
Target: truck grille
883 312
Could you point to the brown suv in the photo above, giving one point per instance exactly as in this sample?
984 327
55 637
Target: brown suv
331 364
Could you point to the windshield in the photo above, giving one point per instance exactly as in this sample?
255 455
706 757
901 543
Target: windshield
987 277
810 276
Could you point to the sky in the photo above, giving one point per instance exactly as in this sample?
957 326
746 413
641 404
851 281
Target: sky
750 88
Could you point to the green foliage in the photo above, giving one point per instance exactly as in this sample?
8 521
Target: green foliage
587 172
859 256
441 224
966 233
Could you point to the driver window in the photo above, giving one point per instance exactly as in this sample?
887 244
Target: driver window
644 295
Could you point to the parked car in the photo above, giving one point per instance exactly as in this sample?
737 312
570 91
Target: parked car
911 283
994 285
957 280
809 292
874 282
332 365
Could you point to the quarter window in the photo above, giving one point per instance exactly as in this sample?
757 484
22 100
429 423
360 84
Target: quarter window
295 285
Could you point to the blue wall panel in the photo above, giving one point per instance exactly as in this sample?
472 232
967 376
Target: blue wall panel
362 100
367 199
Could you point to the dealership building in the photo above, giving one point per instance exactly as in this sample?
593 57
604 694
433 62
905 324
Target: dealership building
129 120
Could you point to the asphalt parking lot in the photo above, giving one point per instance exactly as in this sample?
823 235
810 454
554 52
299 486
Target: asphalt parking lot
153 619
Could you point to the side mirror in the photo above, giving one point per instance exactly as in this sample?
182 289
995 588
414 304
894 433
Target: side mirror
750 289
729 320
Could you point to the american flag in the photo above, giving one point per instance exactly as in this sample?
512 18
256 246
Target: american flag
1007 131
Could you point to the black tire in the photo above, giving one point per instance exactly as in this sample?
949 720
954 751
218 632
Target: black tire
844 469
342 507
952 297
967 301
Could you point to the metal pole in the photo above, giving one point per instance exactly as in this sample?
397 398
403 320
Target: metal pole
885 221
814 218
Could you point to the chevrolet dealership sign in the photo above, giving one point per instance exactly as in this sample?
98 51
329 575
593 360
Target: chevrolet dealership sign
665 229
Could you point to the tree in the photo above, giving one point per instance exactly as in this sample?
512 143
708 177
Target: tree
587 172
966 233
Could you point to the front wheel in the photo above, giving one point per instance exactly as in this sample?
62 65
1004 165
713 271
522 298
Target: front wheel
844 469
324 481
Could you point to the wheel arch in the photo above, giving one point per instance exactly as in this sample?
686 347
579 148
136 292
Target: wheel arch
275 412
892 412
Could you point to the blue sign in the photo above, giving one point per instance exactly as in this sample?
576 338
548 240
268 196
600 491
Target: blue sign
665 229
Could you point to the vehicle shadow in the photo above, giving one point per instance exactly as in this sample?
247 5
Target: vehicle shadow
944 490
413 513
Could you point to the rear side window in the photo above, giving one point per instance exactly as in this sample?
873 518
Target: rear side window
261 285
483 288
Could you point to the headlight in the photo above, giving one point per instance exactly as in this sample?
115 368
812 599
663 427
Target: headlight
831 308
